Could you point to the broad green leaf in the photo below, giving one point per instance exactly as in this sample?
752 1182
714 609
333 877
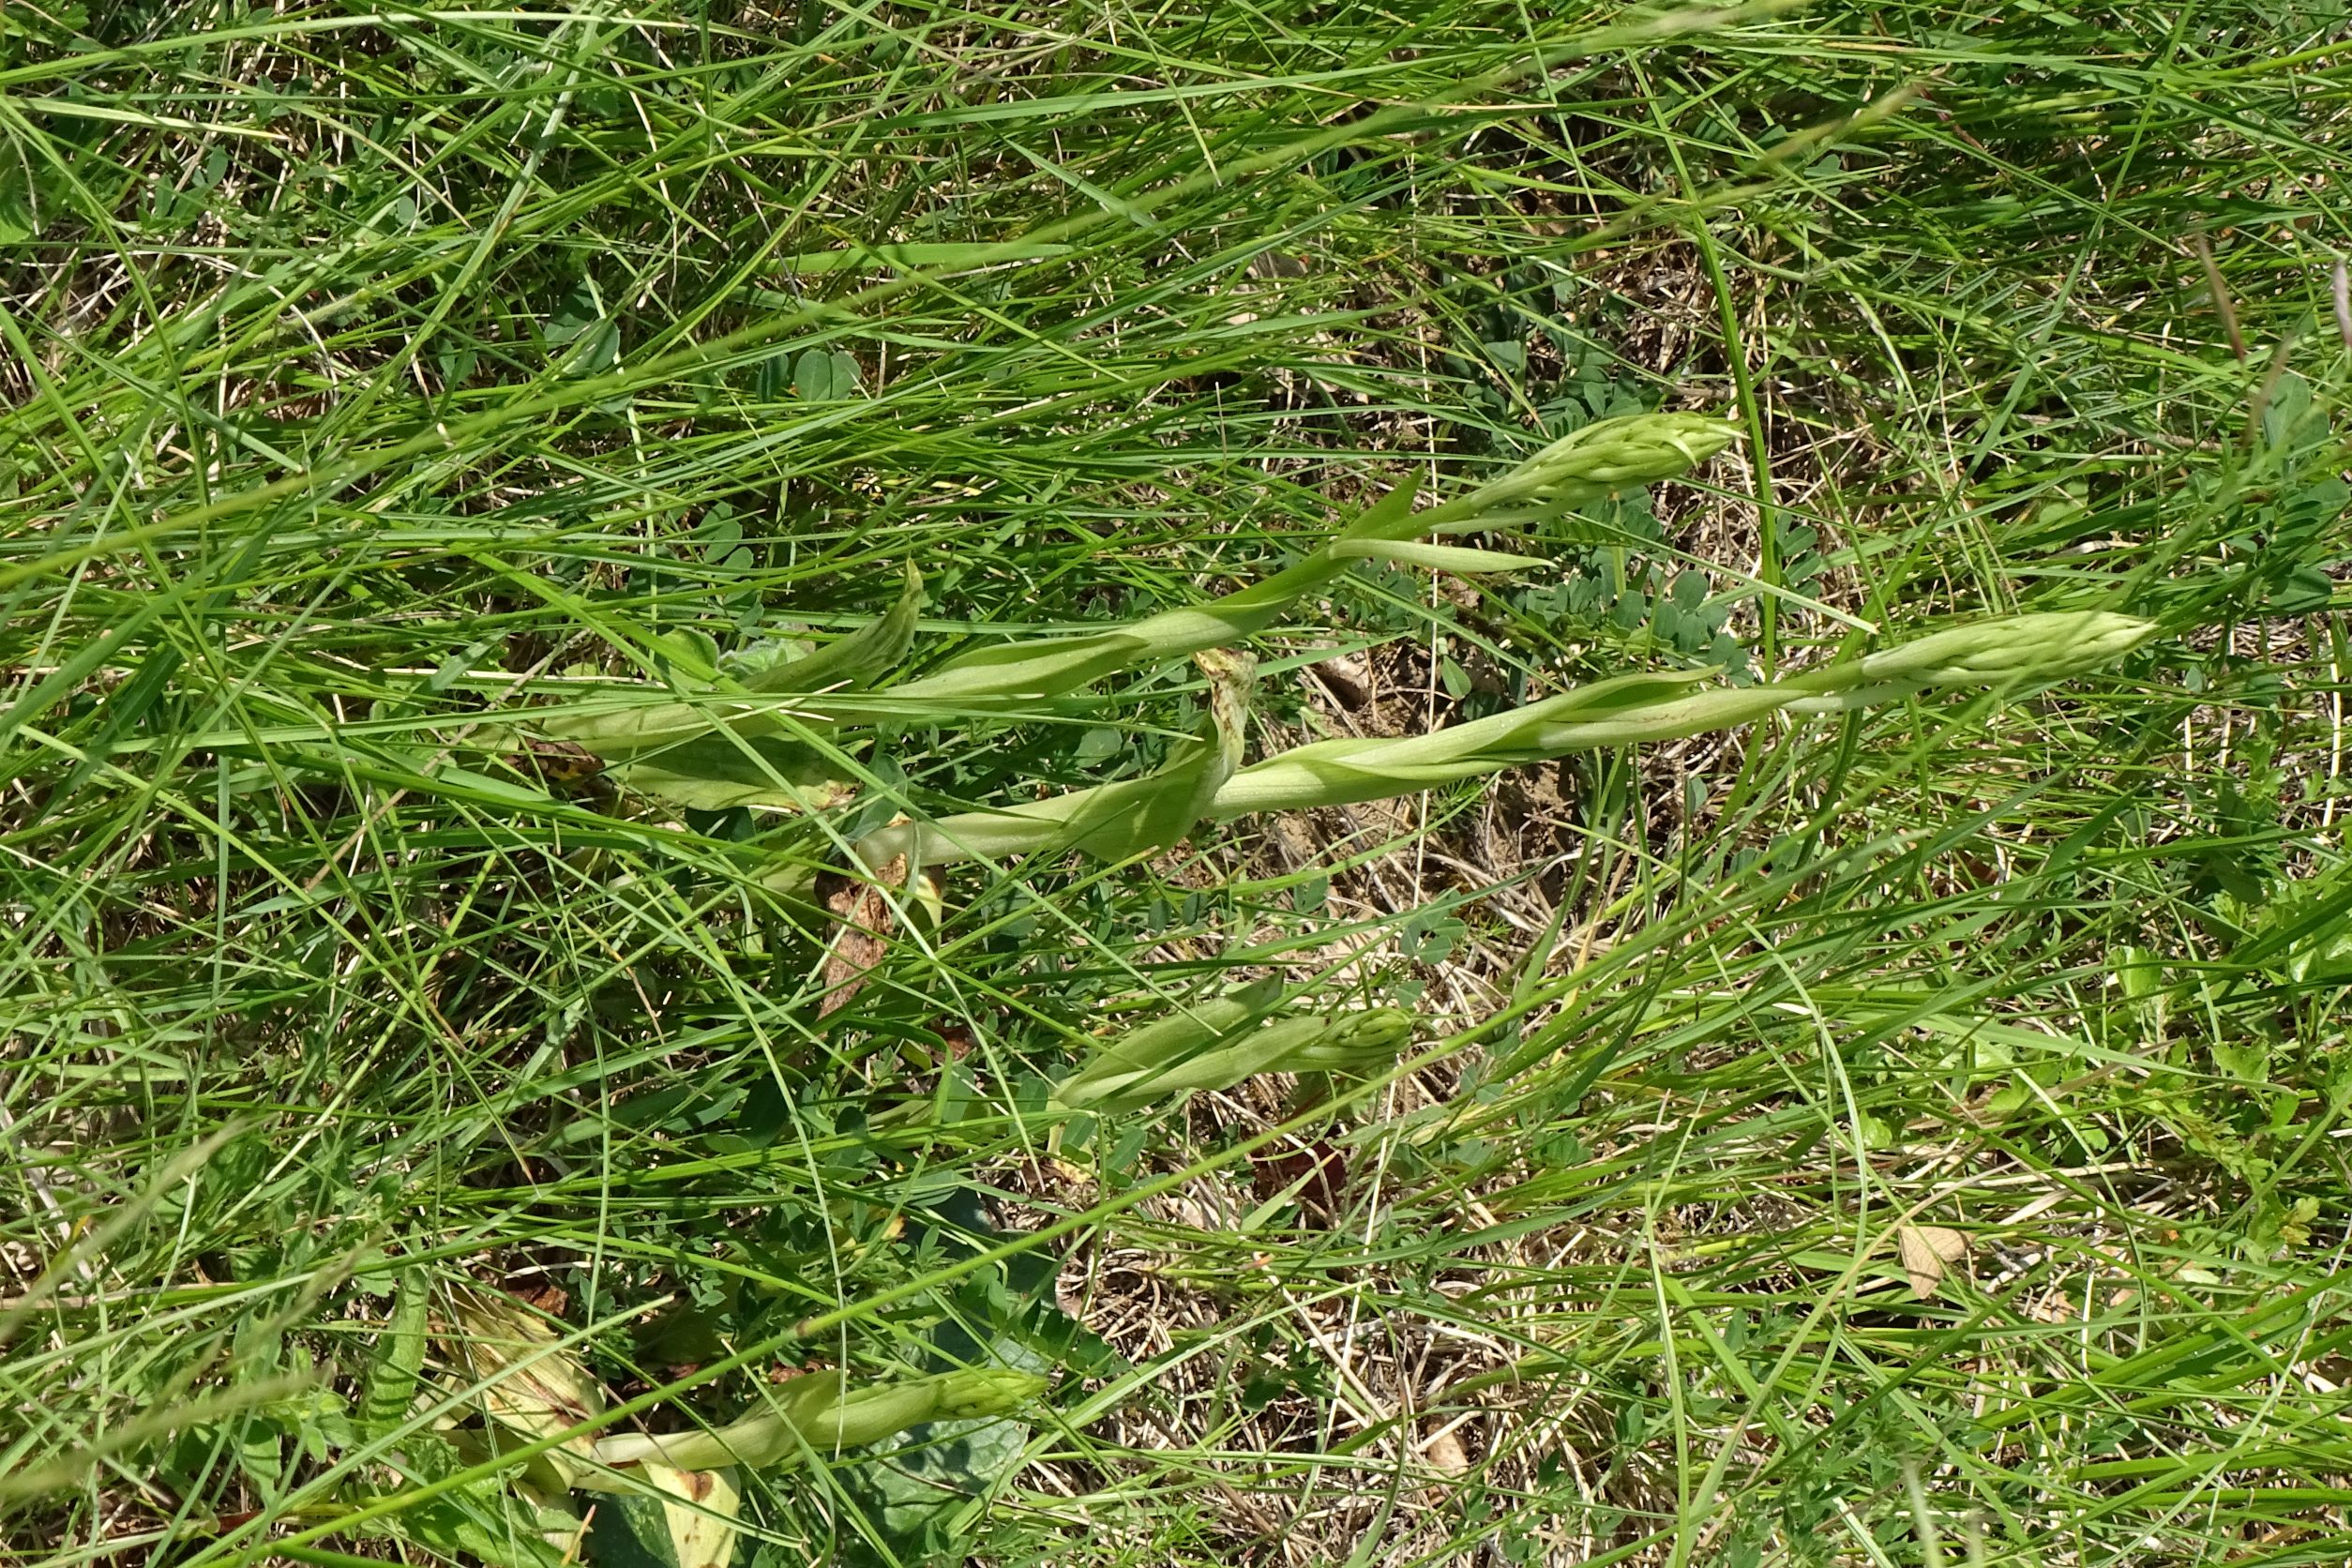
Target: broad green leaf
1051 668
1028 670
467 783
1190 1027
853 661
817 1413
17 220
1389 518
920 1499
825 376
615 732
717 771
483 1520
1155 1063
1145 816
502 1530
627 731
686 654
1112 821
630 1531
749 664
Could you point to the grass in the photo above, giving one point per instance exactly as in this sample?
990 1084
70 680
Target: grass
373 374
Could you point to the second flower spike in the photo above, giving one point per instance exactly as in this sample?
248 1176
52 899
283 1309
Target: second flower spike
1218 1043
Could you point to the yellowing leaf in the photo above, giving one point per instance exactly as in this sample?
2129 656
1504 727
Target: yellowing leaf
531 1384
702 1520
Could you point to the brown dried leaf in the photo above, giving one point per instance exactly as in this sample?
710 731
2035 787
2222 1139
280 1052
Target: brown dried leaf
1347 678
1319 1170
540 1295
1928 1252
955 1038
863 937
562 761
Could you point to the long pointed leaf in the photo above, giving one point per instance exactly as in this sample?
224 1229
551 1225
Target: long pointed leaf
716 772
856 661
1442 558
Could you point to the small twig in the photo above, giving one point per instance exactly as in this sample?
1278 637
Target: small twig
30 1170
2260 406
2220 292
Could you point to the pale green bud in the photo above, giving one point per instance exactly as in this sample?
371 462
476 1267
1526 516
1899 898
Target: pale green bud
2036 649
2051 646
1218 1044
1609 454
1637 450
1632 709
1623 711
